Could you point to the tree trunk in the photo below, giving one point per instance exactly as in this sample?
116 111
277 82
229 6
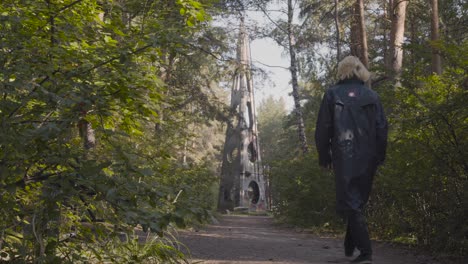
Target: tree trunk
87 134
362 34
354 35
295 85
436 61
387 26
166 77
337 25
358 34
413 40
396 36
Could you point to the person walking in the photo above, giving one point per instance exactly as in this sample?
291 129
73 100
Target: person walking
351 138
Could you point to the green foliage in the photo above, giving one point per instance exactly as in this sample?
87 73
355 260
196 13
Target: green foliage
134 248
271 115
303 193
90 116
421 191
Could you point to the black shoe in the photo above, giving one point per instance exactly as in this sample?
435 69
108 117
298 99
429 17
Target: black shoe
349 252
363 259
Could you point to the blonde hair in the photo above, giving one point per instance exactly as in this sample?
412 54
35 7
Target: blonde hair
352 67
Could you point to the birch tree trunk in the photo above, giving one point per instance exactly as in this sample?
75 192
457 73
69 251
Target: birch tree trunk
295 85
436 61
397 36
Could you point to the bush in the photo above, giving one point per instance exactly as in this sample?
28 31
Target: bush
420 194
303 193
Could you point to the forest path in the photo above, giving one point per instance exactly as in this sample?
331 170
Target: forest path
257 240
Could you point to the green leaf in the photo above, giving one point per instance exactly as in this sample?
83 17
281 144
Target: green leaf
189 22
200 16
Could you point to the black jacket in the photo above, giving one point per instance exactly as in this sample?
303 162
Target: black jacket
351 135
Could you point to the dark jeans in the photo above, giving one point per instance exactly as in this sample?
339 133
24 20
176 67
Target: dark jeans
357 233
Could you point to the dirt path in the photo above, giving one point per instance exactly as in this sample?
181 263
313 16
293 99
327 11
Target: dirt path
256 240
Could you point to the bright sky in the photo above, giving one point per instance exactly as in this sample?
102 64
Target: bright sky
266 52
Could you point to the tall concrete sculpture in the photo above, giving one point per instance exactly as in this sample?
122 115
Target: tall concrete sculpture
242 181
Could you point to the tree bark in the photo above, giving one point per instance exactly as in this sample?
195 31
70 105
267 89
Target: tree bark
337 25
358 34
396 36
362 34
295 85
413 40
354 34
87 134
436 61
387 9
